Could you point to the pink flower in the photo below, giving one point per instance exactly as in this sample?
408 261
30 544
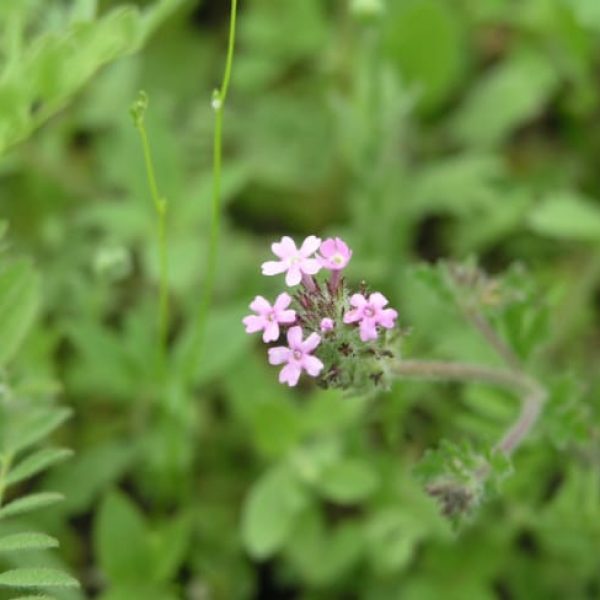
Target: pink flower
335 254
326 324
370 313
269 317
297 357
293 261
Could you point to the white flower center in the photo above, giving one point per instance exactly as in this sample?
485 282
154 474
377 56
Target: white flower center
337 259
271 316
369 311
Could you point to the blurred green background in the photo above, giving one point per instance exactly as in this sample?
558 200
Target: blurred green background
417 130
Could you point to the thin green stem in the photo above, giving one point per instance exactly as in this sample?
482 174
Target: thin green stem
161 207
532 394
218 104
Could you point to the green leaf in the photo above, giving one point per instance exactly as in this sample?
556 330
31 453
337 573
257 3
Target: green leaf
121 540
426 40
29 503
33 578
567 215
33 425
510 95
348 481
27 541
391 539
37 462
270 511
19 299
36 597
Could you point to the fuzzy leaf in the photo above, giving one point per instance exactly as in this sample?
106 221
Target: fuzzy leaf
34 426
29 503
37 462
34 578
27 541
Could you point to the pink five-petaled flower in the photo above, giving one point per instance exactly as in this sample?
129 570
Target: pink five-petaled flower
370 313
269 317
293 261
334 254
297 357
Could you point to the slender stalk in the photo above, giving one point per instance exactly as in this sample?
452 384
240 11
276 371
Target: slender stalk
160 205
218 104
532 394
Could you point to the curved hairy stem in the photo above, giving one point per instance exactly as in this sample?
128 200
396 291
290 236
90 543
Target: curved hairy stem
532 394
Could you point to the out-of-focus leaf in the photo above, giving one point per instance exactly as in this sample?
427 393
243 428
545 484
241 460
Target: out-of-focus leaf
121 540
425 38
567 215
510 95
19 299
270 511
348 481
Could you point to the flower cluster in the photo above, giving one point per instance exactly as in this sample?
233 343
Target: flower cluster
331 334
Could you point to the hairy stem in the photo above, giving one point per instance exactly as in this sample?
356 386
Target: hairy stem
160 206
532 394
218 104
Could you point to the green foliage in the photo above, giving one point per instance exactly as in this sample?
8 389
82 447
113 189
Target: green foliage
423 132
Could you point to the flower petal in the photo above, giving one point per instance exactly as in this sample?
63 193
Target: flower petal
286 248
260 305
253 323
282 302
328 247
368 330
310 266
290 374
310 245
311 342
386 318
294 337
271 333
273 267
352 316
278 355
378 300
293 276
358 300
312 365
286 316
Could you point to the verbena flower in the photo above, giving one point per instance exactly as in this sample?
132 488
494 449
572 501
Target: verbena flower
297 357
293 262
334 254
268 318
370 313
326 313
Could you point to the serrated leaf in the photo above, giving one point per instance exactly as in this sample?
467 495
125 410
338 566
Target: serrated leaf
34 578
36 463
34 426
29 503
27 541
19 298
